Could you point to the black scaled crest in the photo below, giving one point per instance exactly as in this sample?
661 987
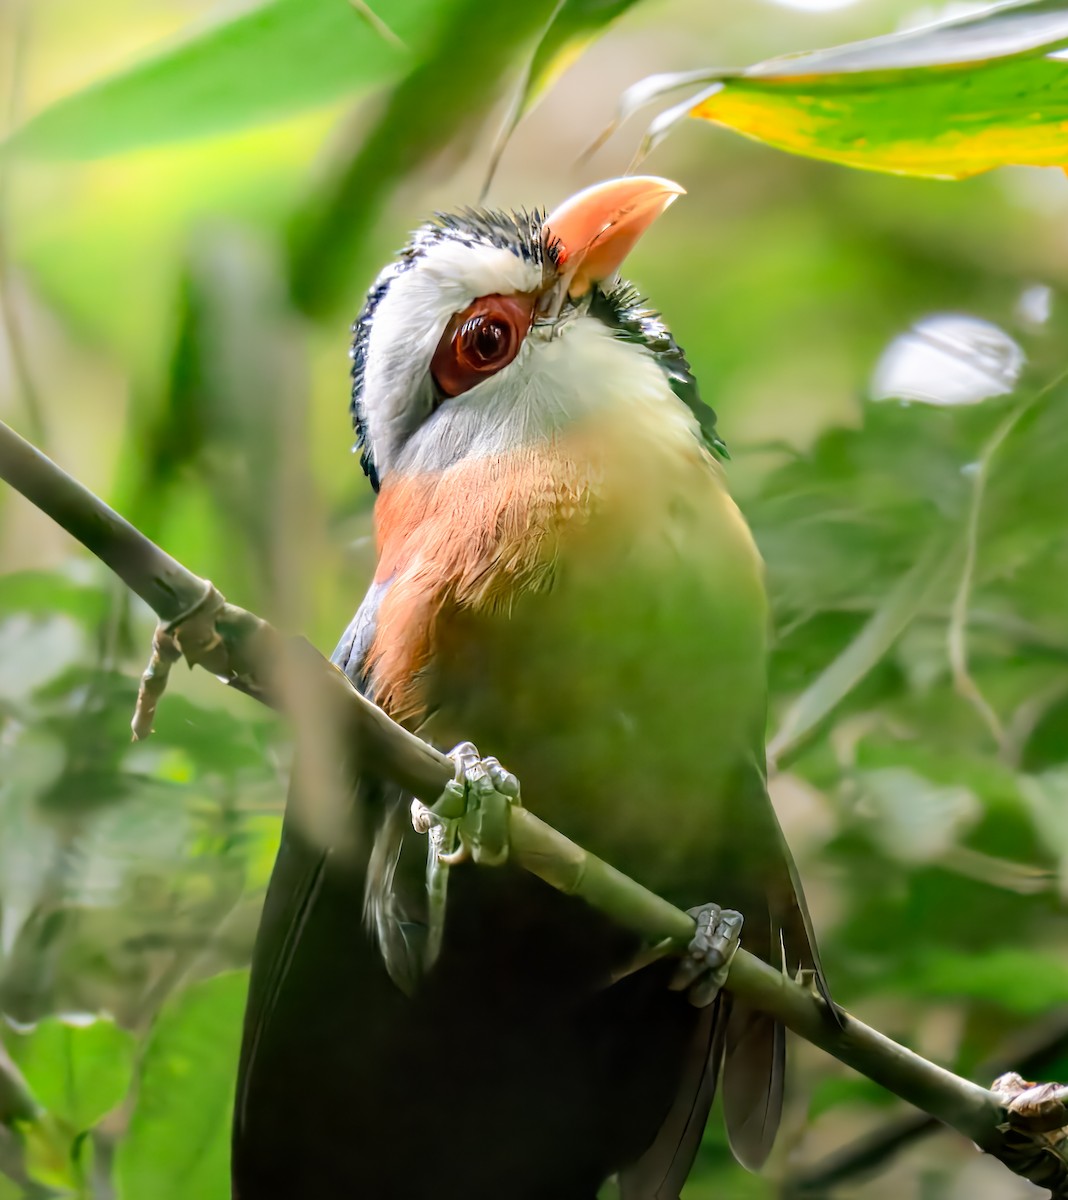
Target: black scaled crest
621 308
520 232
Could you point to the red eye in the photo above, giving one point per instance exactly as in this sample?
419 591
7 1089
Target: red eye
481 340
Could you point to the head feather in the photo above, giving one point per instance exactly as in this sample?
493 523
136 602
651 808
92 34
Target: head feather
519 231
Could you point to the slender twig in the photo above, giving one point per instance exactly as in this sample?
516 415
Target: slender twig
1033 1053
956 631
161 581
377 24
245 651
165 653
1025 635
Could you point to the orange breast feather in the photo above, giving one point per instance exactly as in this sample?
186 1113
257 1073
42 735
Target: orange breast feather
470 538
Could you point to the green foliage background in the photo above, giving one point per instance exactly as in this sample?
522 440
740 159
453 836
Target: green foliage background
181 251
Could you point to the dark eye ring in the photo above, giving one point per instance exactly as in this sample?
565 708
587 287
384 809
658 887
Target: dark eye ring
480 341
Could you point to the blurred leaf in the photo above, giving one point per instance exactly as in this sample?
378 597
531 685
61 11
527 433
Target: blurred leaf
34 650
215 740
946 101
890 619
52 1156
574 25
30 762
852 1090
79 1067
913 820
262 65
74 590
473 47
233 416
1047 797
178 1145
147 835
263 836
1020 980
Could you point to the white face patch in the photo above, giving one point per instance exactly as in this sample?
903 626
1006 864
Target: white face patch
407 326
557 378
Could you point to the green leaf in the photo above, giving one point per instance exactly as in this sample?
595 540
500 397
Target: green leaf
912 819
1022 981
1046 796
944 101
178 1143
35 650
263 835
574 25
853 1091
866 650
471 51
73 589
279 59
79 1068
52 1156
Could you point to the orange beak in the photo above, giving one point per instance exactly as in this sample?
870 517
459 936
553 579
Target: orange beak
598 228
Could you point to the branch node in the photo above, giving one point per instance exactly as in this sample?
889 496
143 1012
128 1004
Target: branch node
195 634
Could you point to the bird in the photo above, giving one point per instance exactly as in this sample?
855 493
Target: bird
564 581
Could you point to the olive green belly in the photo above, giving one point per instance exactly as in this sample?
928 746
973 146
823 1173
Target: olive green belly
628 696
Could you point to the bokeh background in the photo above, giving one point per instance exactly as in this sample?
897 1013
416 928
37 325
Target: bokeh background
176 285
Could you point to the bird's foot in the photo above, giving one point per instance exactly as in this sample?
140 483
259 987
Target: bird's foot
470 818
705 963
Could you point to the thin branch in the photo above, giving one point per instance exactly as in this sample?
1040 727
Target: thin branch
1033 1053
956 632
248 653
165 653
161 581
973 1110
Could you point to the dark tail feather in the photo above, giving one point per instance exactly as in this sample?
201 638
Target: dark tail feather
753 1077
662 1170
754 1070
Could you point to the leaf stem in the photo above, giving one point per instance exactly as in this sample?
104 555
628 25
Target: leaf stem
957 629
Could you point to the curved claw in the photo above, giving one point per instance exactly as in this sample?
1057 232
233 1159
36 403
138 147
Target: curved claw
461 854
488 790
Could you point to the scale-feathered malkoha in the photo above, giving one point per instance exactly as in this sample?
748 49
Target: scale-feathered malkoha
564 580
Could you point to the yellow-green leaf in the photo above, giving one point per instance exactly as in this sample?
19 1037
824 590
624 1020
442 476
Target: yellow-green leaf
78 1066
278 59
51 1155
945 101
178 1144
572 27
886 624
